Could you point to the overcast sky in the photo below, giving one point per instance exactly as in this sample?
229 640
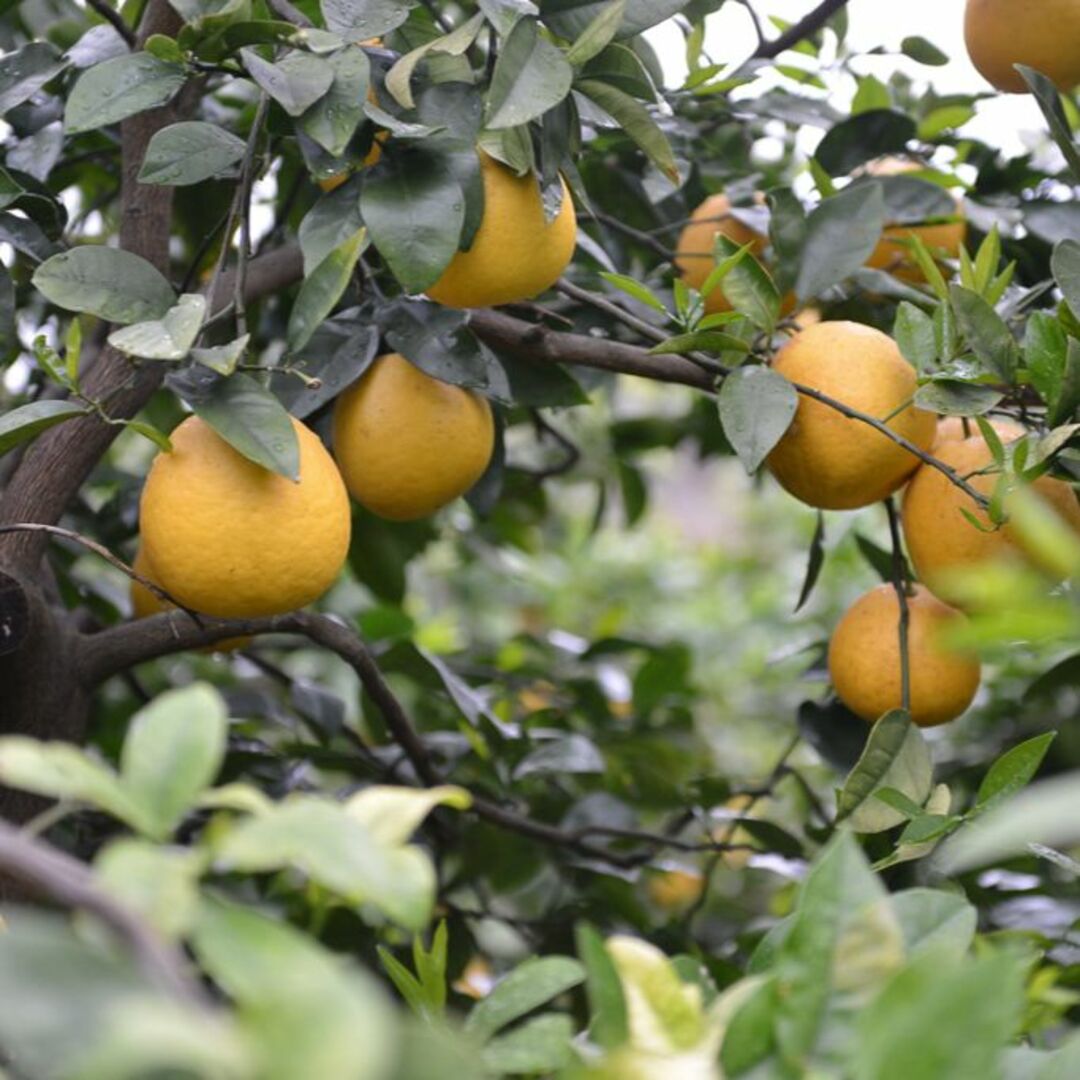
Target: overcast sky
1002 121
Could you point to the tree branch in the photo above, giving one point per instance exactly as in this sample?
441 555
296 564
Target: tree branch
804 28
72 884
110 15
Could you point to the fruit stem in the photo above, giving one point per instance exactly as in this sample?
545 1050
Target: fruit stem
902 585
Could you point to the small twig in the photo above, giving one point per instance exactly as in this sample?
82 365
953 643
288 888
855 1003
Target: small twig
69 882
901 585
247 179
643 238
115 19
763 41
204 246
806 27
571 455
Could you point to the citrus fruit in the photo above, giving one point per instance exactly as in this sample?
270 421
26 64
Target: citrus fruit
939 537
229 538
1043 34
864 658
516 253
826 459
951 429
145 603
675 889
408 444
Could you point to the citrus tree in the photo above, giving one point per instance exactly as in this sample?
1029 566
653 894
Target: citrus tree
361 713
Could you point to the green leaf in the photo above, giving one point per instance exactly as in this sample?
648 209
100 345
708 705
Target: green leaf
569 18
1068 401
308 1012
222 358
934 920
952 398
168 338
872 94
392 814
322 289
333 119
116 89
633 287
25 71
900 1035
841 234
756 407
923 51
748 286
985 332
248 417
62 771
1049 101
399 77
1065 266
1013 770
1045 350
914 333
188 153
414 210
814 562
598 34
9 336
540 1045
160 883
330 222
361 19
527 987
636 120
844 938
108 282
607 1002
862 137
895 756
710 341
28 421
531 76
173 750
295 83
333 849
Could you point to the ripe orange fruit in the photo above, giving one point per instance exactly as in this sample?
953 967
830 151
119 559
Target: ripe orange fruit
864 658
408 444
951 429
674 890
516 253
229 538
938 536
826 459
1043 35
145 603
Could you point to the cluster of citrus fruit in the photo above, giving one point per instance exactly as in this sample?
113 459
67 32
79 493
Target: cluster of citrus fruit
226 537
837 462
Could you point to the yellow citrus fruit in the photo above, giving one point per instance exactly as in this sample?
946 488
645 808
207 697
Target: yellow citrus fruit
826 459
408 444
516 253
1044 34
746 806
694 258
229 538
864 658
674 890
939 538
943 239
145 603
951 429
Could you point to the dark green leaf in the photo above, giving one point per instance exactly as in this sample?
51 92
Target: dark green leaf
333 119
914 333
322 289
252 421
1065 265
1013 770
295 83
414 210
814 563
840 236
330 222
862 137
528 986
756 407
108 282
25 71
116 89
1045 350
748 286
438 341
636 121
188 153
569 18
531 76
333 361
607 1003
1046 94
985 332
360 19
953 398
598 34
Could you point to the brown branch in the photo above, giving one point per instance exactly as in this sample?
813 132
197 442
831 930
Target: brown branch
71 883
110 15
804 28
900 585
